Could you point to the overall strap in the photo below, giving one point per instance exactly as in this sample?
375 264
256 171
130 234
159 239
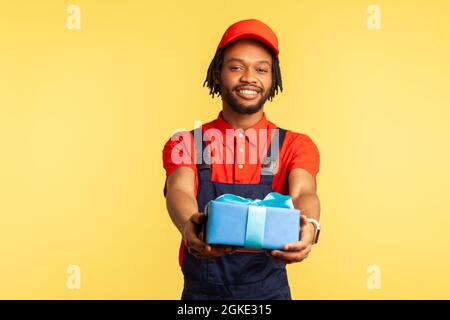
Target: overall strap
203 167
270 161
268 165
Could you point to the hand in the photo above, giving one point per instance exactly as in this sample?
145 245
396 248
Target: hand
192 237
297 251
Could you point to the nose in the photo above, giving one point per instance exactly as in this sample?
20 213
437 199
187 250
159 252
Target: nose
248 76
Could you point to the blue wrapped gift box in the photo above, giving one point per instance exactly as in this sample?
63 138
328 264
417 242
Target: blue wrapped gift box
254 224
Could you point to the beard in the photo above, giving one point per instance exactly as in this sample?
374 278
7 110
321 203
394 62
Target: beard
241 108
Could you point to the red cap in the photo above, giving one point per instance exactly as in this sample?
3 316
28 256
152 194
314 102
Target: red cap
250 29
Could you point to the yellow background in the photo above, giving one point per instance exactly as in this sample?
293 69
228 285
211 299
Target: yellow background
84 115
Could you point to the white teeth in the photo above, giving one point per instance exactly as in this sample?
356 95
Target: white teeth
248 91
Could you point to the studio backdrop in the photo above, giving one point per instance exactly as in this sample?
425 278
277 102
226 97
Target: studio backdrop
91 90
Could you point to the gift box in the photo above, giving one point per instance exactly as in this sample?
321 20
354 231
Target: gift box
269 223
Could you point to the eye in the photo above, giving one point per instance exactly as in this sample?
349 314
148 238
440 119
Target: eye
261 70
236 68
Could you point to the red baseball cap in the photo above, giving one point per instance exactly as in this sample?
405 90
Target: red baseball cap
250 29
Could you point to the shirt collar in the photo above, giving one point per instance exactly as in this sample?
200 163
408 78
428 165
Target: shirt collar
223 125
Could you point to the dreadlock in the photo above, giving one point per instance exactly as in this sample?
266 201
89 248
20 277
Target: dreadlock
216 65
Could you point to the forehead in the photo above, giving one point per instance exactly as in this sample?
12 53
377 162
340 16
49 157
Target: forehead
247 50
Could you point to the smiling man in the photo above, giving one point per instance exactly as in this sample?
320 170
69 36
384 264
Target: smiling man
245 73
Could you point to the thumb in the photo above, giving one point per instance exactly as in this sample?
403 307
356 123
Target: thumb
198 218
303 220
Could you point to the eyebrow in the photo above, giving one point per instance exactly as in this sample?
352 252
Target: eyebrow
243 61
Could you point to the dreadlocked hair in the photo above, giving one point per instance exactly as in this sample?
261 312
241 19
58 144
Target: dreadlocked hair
216 65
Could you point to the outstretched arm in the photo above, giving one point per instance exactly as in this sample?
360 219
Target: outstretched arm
183 210
302 189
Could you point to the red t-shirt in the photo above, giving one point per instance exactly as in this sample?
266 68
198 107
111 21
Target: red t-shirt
246 150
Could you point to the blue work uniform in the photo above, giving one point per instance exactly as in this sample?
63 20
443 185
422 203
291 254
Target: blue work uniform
240 275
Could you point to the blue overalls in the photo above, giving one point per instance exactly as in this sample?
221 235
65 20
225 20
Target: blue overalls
240 275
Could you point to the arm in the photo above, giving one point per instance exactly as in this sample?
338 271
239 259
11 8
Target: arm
302 189
183 210
180 197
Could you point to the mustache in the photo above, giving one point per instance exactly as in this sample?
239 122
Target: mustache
248 87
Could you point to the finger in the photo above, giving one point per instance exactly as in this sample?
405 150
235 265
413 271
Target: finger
193 238
291 257
221 250
194 253
307 237
270 254
215 251
201 255
295 246
198 218
195 243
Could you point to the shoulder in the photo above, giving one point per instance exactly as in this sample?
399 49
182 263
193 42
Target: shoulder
178 138
300 151
184 136
295 141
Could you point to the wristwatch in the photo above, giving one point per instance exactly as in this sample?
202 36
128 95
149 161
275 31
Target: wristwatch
317 225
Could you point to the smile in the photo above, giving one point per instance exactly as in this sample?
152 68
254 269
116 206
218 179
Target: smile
247 94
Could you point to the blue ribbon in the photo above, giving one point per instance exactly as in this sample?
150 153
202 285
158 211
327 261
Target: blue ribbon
256 217
273 199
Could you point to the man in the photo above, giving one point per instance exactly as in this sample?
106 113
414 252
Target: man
245 73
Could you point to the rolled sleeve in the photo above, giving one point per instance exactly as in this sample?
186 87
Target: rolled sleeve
178 152
305 155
